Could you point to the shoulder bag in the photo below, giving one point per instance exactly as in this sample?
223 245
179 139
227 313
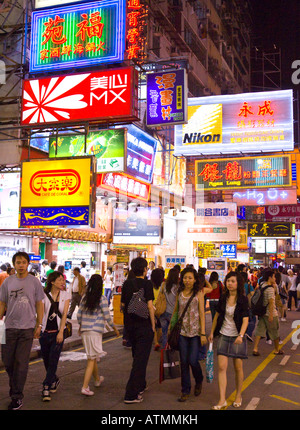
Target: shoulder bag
138 305
161 303
173 339
68 327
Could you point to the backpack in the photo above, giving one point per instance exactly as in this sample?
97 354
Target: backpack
138 305
257 300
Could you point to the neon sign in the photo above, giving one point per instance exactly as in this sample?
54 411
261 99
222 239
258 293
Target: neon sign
80 35
136 30
228 124
265 197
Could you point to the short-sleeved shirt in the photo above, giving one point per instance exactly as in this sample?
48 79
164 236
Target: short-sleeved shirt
20 296
129 287
269 293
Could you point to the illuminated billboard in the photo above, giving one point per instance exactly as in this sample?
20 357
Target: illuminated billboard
79 35
9 200
57 192
108 147
237 123
100 96
273 196
246 172
125 185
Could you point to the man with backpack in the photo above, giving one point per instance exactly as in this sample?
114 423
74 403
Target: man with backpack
263 305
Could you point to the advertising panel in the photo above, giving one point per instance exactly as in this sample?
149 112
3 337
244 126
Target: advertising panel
287 213
47 3
270 229
141 150
124 184
100 96
235 123
79 35
229 250
233 173
167 98
108 147
210 233
216 213
137 226
265 197
9 200
57 192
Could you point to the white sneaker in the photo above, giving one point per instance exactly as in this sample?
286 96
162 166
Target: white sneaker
87 391
283 319
269 342
98 383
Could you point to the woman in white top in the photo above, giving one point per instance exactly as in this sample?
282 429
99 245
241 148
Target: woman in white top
230 322
293 288
52 337
108 284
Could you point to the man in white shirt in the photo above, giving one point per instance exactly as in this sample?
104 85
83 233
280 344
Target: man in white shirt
78 288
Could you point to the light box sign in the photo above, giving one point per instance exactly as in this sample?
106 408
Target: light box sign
81 35
124 184
233 173
137 226
272 196
270 229
216 213
101 96
228 250
48 3
229 124
9 200
108 147
141 150
57 192
167 98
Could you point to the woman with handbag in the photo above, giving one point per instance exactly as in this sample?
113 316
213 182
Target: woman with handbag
157 277
190 306
230 322
56 305
92 315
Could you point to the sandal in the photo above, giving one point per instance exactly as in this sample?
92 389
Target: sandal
280 352
256 353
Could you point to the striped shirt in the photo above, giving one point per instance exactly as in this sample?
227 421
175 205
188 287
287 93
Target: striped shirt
96 319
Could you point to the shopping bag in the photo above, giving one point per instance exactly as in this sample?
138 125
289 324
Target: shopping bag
2 333
210 364
169 364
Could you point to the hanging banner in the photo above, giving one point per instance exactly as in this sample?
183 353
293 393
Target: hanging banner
81 35
57 192
235 123
100 96
167 98
236 173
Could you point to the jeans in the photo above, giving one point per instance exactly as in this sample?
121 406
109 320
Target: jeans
165 319
76 299
51 351
251 324
213 307
15 356
107 293
189 348
292 294
141 338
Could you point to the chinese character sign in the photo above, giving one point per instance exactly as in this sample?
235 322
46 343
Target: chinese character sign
136 35
229 250
237 173
167 98
235 123
216 213
57 192
125 185
92 96
78 36
269 229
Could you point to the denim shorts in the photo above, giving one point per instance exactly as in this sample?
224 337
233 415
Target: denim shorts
227 347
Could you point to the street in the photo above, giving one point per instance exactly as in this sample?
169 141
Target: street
271 382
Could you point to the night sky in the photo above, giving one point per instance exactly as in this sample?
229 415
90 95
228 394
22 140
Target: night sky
278 22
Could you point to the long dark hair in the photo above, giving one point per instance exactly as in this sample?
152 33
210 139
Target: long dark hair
173 278
240 284
199 280
50 279
91 300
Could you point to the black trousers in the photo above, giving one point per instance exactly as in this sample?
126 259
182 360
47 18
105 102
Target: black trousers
141 339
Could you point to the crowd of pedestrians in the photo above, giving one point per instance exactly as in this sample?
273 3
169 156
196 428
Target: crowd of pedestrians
32 310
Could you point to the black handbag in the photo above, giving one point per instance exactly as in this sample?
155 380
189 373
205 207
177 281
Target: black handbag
173 338
68 327
138 305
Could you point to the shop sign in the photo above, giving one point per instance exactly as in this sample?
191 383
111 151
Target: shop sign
173 260
47 3
212 233
216 213
235 123
287 213
228 250
270 229
167 98
273 196
57 192
9 200
233 173
141 150
68 234
136 35
125 185
100 96
137 226
108 147
80 35
206 250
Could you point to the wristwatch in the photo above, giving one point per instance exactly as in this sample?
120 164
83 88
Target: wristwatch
241 335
